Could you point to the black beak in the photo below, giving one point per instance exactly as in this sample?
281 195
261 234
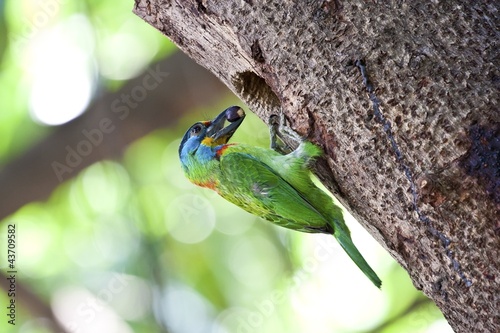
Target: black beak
218 132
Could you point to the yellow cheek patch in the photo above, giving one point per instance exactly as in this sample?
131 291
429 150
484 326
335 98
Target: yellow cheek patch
208 141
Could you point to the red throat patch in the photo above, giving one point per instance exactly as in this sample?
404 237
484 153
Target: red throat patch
210 184
221 150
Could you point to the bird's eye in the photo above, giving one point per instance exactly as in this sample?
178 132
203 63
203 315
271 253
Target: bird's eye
196 129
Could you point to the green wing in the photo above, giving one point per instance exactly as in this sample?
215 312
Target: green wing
254 186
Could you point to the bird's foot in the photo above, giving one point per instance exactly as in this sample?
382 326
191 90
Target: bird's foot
284 139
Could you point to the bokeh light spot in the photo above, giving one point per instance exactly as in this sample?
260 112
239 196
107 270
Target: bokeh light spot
185 310
105 186
78 310
247 265
63 71
190 218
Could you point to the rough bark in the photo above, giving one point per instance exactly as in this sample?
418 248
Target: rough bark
413 153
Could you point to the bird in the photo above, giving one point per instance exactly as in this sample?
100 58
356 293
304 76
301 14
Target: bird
264 181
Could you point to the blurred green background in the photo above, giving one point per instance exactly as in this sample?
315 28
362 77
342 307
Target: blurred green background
126 244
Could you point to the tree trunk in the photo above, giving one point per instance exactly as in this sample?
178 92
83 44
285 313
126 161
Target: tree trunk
411 140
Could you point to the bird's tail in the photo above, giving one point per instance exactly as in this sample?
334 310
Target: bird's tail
344 238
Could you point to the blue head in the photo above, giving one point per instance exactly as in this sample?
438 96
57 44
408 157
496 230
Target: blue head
203 139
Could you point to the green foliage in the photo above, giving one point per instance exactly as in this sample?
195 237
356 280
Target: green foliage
49 36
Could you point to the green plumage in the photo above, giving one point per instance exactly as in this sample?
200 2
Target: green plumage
276 187
279 189
272 186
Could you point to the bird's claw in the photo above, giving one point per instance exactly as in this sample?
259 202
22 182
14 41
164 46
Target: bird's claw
284 139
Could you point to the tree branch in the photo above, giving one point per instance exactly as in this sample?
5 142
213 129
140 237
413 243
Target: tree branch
154 100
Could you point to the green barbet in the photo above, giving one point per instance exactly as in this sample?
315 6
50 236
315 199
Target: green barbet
265 183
